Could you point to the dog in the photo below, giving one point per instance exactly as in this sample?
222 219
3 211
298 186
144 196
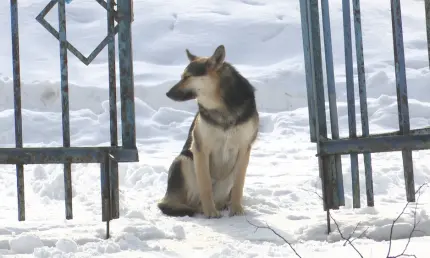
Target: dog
208 175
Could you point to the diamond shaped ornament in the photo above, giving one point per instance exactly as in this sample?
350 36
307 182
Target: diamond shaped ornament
86 60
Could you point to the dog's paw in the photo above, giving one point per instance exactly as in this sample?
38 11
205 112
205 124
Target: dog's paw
237 210
221 206
212 213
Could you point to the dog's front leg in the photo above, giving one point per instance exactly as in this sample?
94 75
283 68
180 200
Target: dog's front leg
204 182
237 190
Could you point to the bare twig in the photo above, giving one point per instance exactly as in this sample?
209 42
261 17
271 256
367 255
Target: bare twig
350 236
348 239
313 191
362 233
344 238
352 233
413 228
276 233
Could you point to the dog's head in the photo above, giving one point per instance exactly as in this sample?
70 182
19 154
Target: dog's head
200 79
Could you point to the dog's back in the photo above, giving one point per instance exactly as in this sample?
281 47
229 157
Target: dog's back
173 203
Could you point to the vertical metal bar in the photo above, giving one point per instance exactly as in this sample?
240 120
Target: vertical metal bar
363 99
126 74
326 168
331 88
113 108
318 87
350 99
317 67
65 105
105 191
427 9
112 74
17 108
402 95
114 187
308 70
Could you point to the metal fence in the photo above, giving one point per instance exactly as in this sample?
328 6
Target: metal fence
330 149
108 156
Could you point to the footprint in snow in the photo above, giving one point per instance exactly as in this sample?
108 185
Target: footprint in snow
175 21
253 2
220 12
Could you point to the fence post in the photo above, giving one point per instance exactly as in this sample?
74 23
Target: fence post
126 73
427 12
350 100
17 105
402 96
313 62
308 69
363 100
65 105
113 107
331 88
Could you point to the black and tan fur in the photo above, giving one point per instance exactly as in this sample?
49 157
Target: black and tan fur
209 174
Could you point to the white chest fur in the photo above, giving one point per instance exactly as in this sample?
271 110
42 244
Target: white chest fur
223 146
215 138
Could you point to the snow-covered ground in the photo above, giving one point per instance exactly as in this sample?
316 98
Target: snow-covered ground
263 39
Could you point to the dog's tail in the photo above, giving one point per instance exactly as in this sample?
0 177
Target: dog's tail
175 209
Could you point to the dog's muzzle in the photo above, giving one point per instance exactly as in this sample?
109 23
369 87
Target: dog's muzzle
178 94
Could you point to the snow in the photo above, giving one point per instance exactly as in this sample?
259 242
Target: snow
263 40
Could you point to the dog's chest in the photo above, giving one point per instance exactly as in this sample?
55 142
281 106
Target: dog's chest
224 146
218 139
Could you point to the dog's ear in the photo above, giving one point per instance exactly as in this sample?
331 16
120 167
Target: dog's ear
190 56
217 59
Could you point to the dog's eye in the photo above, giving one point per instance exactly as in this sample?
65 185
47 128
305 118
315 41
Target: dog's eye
186 76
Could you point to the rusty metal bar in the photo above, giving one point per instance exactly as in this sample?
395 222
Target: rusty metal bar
112 74
124 9
308 69
105 5
105 191
61 155
326 164
427 11
86 60
350 100
113 109
17 105
375 144
363 100
331 88
65 106
402 95
114 187
419 131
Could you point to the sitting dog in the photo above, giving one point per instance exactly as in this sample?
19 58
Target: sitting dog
209 174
